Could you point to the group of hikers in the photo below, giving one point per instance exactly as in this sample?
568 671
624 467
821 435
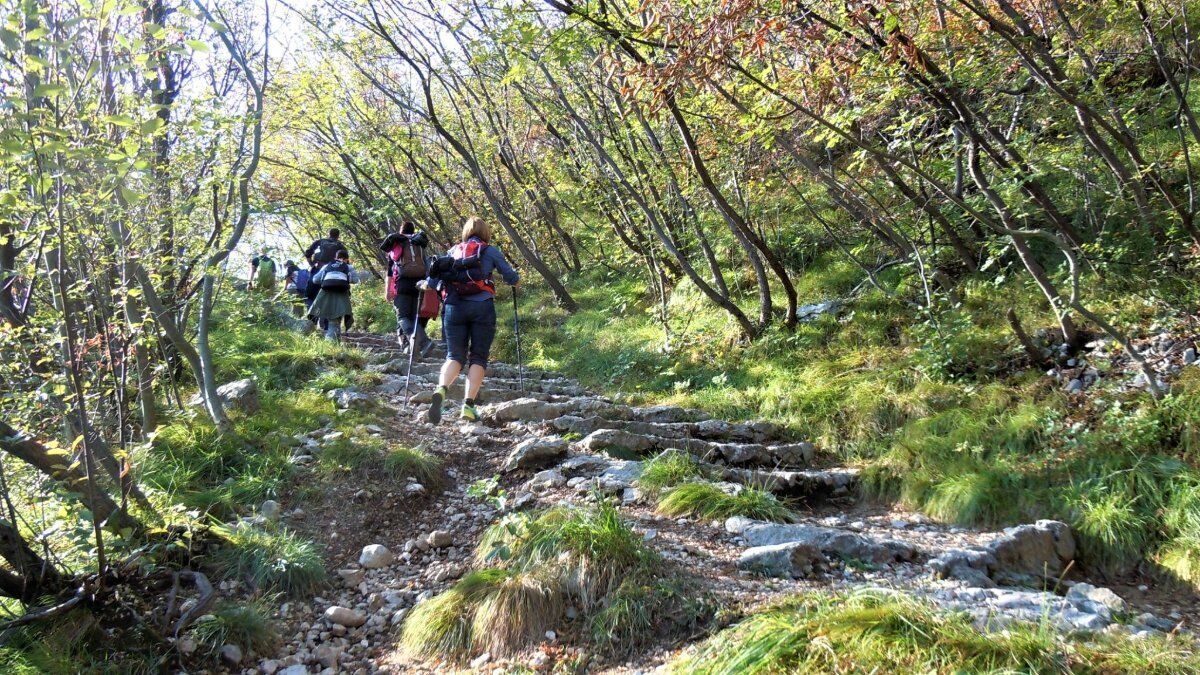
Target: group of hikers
458 286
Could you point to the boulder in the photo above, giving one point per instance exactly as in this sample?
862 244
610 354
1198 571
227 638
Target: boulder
535 452
344 616
375 556
620 474
295 669
239 394
1041 550
830 541
793 560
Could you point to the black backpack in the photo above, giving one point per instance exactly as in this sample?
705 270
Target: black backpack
327 251
337 277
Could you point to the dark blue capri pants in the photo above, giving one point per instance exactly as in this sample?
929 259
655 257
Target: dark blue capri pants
470 328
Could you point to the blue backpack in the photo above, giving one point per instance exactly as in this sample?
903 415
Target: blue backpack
302 277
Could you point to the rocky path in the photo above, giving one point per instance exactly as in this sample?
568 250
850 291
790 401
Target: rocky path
394 542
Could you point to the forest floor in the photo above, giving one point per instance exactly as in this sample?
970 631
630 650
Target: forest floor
432 532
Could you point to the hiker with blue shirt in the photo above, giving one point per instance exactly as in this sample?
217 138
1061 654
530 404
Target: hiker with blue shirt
469 323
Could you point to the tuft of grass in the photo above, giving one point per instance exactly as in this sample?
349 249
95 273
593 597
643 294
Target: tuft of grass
710 502
442 625
245 624
414 462
517 612
272 560
643 606
538 564
886 631
669 469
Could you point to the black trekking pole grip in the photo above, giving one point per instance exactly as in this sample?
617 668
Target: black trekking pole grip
517 334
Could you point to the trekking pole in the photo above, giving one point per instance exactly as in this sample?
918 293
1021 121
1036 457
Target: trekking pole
412 343
517 333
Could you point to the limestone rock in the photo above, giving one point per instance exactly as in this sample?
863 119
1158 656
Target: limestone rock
352 578
239 394
344 616
1098 600
348 398
439 539
535 452
1043 549
546 479
791 560
830 541
375 556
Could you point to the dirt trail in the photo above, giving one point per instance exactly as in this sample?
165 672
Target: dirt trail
839 543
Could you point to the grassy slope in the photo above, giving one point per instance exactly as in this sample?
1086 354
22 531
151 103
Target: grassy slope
197 479
945 417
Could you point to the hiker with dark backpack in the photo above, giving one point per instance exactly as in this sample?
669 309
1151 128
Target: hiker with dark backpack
406 255
322 252
464 278
332 304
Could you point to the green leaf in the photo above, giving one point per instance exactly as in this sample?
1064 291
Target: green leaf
129 195
198 45
152 125
48 90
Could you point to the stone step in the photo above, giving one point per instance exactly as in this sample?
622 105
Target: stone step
708 430
534 410
532 386
807 483
795 550
616 440
399 366
424 394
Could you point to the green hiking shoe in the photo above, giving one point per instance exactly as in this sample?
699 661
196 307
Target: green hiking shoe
435 405
469 413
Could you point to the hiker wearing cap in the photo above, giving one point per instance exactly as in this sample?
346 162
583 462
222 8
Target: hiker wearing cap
464 278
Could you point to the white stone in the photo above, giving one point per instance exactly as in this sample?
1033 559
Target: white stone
376 556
